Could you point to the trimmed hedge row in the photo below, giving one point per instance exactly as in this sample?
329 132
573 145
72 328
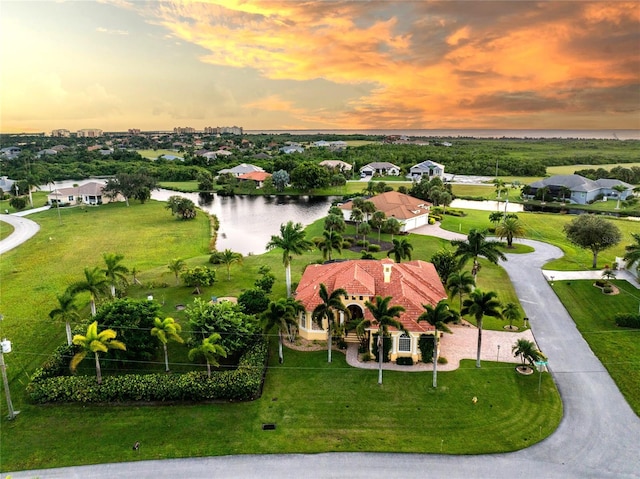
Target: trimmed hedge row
241 384
628 320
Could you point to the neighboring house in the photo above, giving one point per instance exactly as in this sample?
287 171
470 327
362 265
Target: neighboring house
47 151
411 284
10 152
261 156
380 168
6 184
427 168
222 152
409 211
257 176
292 149
241 169
336 165
583 190
88 194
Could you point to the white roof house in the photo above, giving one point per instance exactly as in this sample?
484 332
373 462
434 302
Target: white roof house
241 169
380 168
427 168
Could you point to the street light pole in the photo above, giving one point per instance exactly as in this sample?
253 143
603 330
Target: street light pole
6 348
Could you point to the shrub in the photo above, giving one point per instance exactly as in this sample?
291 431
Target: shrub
607 290
600 283
442 360
627 320
455 212
241 384
404 361
373 248
363 243
432 220
425 343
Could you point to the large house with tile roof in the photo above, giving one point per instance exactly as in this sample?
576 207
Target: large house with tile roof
411 284
88 194
409 211
256 176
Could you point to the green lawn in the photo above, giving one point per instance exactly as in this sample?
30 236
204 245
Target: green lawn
154 154
317 407
549 228
571 169
617 348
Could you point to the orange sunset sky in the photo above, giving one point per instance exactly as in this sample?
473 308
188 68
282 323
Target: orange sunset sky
119 64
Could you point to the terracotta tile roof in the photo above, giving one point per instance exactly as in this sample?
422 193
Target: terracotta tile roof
397 205
255 176
411 285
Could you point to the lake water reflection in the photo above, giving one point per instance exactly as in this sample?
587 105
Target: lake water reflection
248 222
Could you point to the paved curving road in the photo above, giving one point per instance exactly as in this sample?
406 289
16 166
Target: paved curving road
23 230
598 437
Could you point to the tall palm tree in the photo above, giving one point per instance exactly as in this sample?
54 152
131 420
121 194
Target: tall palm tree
281 315
66 311
477 245
95 342
335 222
298 308
166 329
495 217
330 303
291 241
527 351
510 228
176 266
368 208
95 283
460 283
210 350
438 317
377 221
357 216
227 258
401 250
384 317
364 229
114 271
620 189
392 226
511 312
632 251
328 242
479 305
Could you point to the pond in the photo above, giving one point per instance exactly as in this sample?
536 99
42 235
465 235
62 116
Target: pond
248 222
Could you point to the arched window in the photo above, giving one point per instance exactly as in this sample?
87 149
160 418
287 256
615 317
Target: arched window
404 344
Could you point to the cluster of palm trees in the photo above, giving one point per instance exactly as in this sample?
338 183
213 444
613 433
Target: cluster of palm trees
96 282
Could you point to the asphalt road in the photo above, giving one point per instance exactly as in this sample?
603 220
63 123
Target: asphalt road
23 230
598 437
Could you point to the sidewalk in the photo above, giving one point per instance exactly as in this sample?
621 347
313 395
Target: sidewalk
590 274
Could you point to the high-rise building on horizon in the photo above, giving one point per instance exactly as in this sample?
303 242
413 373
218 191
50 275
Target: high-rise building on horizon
89 133
61 133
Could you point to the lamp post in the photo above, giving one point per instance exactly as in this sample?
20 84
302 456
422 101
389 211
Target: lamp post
6 348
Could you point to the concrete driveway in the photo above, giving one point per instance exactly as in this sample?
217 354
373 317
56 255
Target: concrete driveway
598 436
23 230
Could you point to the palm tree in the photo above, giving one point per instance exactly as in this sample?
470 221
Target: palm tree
392 226
384 316
527 351
510 228
364 229
632 251
210 350
95 283
227 258
166 329
357 216
438 317
401 250
291 241
330 241
511 312
479 305
459 283
95 342
620 189
114 271
297 308
495 217
281 315
476 245
67 311
377 221
335 222
176 266
564 191
368 208
500 187
330 303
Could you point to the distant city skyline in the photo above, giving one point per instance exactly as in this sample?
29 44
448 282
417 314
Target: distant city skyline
117 65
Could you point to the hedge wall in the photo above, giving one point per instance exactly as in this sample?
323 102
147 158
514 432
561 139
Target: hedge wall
241 384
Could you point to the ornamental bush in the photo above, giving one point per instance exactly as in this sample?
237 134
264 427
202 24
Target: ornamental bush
241 384
628 320
404 361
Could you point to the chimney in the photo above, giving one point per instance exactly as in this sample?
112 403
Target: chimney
386 271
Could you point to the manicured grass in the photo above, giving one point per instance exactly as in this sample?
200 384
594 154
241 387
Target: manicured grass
187 186
154 154
617 348
317 407
549 228
571 169
5 230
